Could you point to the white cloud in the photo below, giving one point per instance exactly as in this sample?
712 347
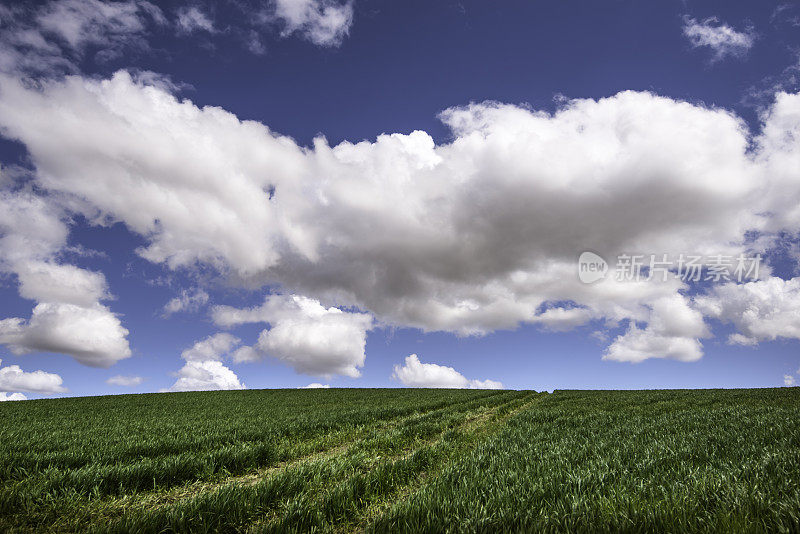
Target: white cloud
80 23
68 318
187 301
14 379
253 42
315 385
204 376
788 380
204 369
125 381
637 345
224 201
304 334
563 319
381 226
672 332
52 282
763 92
414 373
721 38
761 310
53 36
780 157
740 339
12 396
213 347
323 22
92 335
31 230
191 19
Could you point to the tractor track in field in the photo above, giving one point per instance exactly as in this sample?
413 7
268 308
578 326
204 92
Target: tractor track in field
112 509
264 515
108 509
371 513
470 430
345 442
348 453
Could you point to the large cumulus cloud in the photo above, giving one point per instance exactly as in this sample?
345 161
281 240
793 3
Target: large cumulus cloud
477 234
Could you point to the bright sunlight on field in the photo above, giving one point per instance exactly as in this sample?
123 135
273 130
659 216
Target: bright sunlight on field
403 460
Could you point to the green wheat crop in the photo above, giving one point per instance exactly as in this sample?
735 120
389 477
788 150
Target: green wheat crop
398 460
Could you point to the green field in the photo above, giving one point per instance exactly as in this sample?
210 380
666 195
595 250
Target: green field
400 460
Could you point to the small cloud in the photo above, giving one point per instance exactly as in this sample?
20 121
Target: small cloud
304 334
785 14
204 369
789 380
125 381
12 396
52 37
563 319
206 376
254 44
84 252
414 373
740 339
191 19
323 22
92 335
762 94
600 336
14 379
187 301
211 348
722 39
315 385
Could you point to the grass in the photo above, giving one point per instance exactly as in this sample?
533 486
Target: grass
672 461
404 461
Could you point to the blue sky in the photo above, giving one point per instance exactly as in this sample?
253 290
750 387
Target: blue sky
445 165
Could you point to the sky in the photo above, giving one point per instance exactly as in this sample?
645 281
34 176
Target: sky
315 193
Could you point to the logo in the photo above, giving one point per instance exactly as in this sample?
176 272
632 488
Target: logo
591 267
